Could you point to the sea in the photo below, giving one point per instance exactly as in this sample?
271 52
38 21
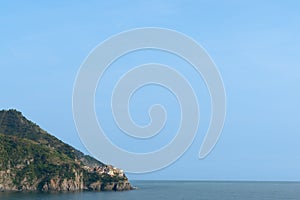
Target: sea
179 190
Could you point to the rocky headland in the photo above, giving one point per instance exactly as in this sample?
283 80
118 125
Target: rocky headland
33 160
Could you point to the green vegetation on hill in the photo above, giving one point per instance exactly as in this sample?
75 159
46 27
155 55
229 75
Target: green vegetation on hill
31 160
13 123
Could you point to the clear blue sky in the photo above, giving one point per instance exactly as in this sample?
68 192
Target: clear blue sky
255 44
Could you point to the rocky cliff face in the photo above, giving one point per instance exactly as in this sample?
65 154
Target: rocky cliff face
33 160
59 184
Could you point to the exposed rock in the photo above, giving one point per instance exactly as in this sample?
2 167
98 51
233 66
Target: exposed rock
96 186
124 185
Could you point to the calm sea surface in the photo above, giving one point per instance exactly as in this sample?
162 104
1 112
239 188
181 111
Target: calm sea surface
173 190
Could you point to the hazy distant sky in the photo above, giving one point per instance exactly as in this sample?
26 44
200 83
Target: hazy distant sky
255 44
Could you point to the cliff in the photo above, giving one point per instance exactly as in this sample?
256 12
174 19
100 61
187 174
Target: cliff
33 160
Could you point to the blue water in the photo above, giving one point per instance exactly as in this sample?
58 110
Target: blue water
173 190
